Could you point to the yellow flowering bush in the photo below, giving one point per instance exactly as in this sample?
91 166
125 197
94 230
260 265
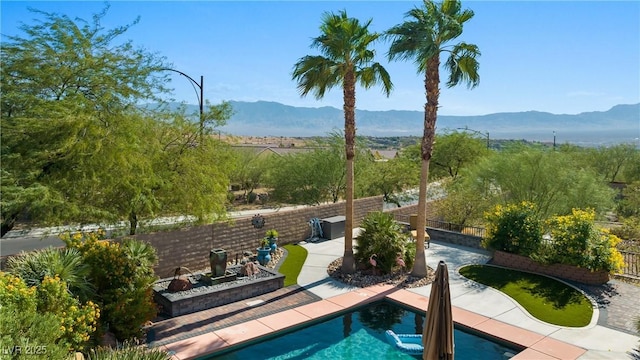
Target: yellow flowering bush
122 275
14 291
68 324
21 325
77 321
514 228
576 240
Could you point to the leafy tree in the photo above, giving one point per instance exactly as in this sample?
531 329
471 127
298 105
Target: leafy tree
387 178
194 173
422 38
65 87
611 161
546 178
631 170
466 201
453 151
347 60
629 205
315 176
296 178
76 145
249 170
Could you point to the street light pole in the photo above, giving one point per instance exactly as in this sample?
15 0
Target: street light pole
477 132
554 140
200 97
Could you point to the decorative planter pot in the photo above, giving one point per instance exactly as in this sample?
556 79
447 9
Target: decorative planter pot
273 244
264 256
218 262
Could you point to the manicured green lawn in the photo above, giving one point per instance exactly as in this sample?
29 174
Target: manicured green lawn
546 299
292 265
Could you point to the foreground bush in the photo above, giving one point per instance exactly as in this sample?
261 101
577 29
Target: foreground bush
46 317
382 239
576 240
573 239
514 228
122 275
66 264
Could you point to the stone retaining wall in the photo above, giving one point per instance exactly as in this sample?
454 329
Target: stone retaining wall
206 300
561 271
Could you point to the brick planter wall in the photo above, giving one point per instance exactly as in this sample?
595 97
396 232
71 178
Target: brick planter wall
561 271
206 300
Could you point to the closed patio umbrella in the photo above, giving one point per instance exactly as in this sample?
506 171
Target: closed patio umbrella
437 336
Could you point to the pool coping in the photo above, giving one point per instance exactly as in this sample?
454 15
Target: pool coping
536 346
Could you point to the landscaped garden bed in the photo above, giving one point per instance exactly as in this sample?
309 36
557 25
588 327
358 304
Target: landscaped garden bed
562 271
202 296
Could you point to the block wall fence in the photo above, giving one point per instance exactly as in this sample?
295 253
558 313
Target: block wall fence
190 247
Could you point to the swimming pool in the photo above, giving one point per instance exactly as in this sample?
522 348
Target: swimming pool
360 333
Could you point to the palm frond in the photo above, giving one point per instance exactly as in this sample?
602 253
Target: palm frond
463 65
67 264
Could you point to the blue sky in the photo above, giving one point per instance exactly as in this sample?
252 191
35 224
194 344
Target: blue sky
563 57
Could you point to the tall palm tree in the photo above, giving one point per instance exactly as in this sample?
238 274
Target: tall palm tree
346 60
422 38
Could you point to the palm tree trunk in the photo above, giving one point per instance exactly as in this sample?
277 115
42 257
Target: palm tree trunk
431 84
349 94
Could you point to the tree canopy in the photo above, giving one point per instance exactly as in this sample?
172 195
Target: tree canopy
77 146
549 179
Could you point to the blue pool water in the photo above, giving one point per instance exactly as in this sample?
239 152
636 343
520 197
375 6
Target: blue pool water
360 335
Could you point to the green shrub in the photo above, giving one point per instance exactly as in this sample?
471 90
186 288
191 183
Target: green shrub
67 264
20 329
409 254
128 352
381 236
77 321
122 275
630 229
42 317
576 240
514 228
629 205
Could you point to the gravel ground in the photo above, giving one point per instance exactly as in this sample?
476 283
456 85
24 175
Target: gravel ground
364 278
198 287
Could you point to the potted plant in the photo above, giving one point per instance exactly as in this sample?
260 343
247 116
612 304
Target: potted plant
264 251
272 236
